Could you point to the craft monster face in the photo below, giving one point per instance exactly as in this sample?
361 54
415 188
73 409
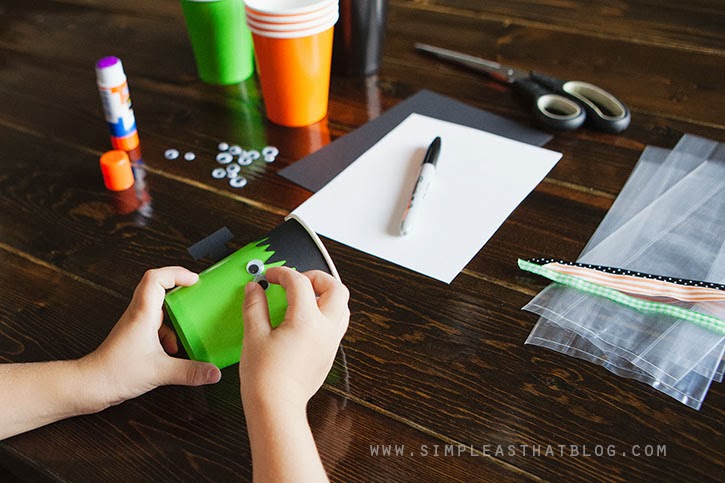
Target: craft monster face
207 316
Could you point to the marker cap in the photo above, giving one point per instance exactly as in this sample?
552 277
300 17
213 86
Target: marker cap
116 170
125 143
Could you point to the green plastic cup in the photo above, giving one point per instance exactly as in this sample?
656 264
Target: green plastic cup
220 39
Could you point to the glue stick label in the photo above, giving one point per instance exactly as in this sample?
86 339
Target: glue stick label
115 97
117 108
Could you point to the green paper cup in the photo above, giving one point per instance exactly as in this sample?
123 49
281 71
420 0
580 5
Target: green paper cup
220 39
207 316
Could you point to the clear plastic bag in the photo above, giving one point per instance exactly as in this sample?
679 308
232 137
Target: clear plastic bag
668 220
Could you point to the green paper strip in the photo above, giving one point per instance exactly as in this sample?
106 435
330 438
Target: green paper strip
653 308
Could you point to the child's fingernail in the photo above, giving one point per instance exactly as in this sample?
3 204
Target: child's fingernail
213 376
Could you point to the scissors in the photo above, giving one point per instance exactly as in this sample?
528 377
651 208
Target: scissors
561 105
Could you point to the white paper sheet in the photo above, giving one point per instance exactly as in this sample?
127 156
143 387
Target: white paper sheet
480 179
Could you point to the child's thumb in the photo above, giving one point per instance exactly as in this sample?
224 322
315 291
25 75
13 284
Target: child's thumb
189 373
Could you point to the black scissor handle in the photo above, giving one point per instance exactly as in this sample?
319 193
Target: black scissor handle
604 111
552 110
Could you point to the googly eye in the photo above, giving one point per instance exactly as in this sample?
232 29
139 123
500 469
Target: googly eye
238 182
255 267
270 151
171 153
233 170
262 281
218 173
224 158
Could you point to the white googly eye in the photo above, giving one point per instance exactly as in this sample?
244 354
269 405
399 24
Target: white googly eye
269 159
233 168
270 151
189 156
262 281
238 182
255 267
171 154
224 158
254 154
218 173
245 160
235 150
223 146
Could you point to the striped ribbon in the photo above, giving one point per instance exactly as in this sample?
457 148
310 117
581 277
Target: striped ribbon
645 306
658 287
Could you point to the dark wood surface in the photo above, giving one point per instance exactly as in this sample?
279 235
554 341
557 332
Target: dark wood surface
426 364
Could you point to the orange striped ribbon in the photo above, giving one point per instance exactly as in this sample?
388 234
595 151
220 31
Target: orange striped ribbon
643 287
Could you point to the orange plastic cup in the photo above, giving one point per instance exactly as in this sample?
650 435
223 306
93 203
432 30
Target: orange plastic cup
295 75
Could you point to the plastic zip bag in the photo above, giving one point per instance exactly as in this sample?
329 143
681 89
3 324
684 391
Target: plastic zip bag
667 220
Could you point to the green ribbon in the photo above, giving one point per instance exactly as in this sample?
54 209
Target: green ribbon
645 306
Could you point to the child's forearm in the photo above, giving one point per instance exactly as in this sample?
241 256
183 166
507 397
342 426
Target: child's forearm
40 393
283 449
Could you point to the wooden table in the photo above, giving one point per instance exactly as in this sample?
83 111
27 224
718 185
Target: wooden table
433 367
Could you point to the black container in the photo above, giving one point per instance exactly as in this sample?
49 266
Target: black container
359 34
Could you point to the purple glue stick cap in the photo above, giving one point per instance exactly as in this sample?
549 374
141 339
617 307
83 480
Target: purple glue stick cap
109 72
106 62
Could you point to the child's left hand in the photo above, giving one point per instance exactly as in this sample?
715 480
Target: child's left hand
134 358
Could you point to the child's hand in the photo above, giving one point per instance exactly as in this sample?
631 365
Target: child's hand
133 359
288 364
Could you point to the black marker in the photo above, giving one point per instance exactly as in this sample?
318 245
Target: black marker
425 178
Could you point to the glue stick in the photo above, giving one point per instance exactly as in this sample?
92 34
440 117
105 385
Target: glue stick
116 101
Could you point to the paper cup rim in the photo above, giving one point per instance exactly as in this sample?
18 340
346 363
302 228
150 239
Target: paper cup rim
290 19
258 7
293 27
293 34
318 242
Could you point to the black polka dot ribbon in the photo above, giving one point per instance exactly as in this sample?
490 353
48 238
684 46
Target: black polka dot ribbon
632 273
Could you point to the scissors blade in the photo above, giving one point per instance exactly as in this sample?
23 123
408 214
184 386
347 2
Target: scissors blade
501 73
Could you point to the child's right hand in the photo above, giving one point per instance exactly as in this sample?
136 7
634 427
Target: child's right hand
288 364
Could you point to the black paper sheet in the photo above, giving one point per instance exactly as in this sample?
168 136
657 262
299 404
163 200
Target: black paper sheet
316 170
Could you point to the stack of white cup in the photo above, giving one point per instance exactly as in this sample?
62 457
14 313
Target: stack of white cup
284 19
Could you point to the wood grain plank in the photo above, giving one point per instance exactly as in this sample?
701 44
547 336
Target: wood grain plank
693 26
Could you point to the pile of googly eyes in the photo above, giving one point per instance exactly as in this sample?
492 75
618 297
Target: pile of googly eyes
233 158
255 268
